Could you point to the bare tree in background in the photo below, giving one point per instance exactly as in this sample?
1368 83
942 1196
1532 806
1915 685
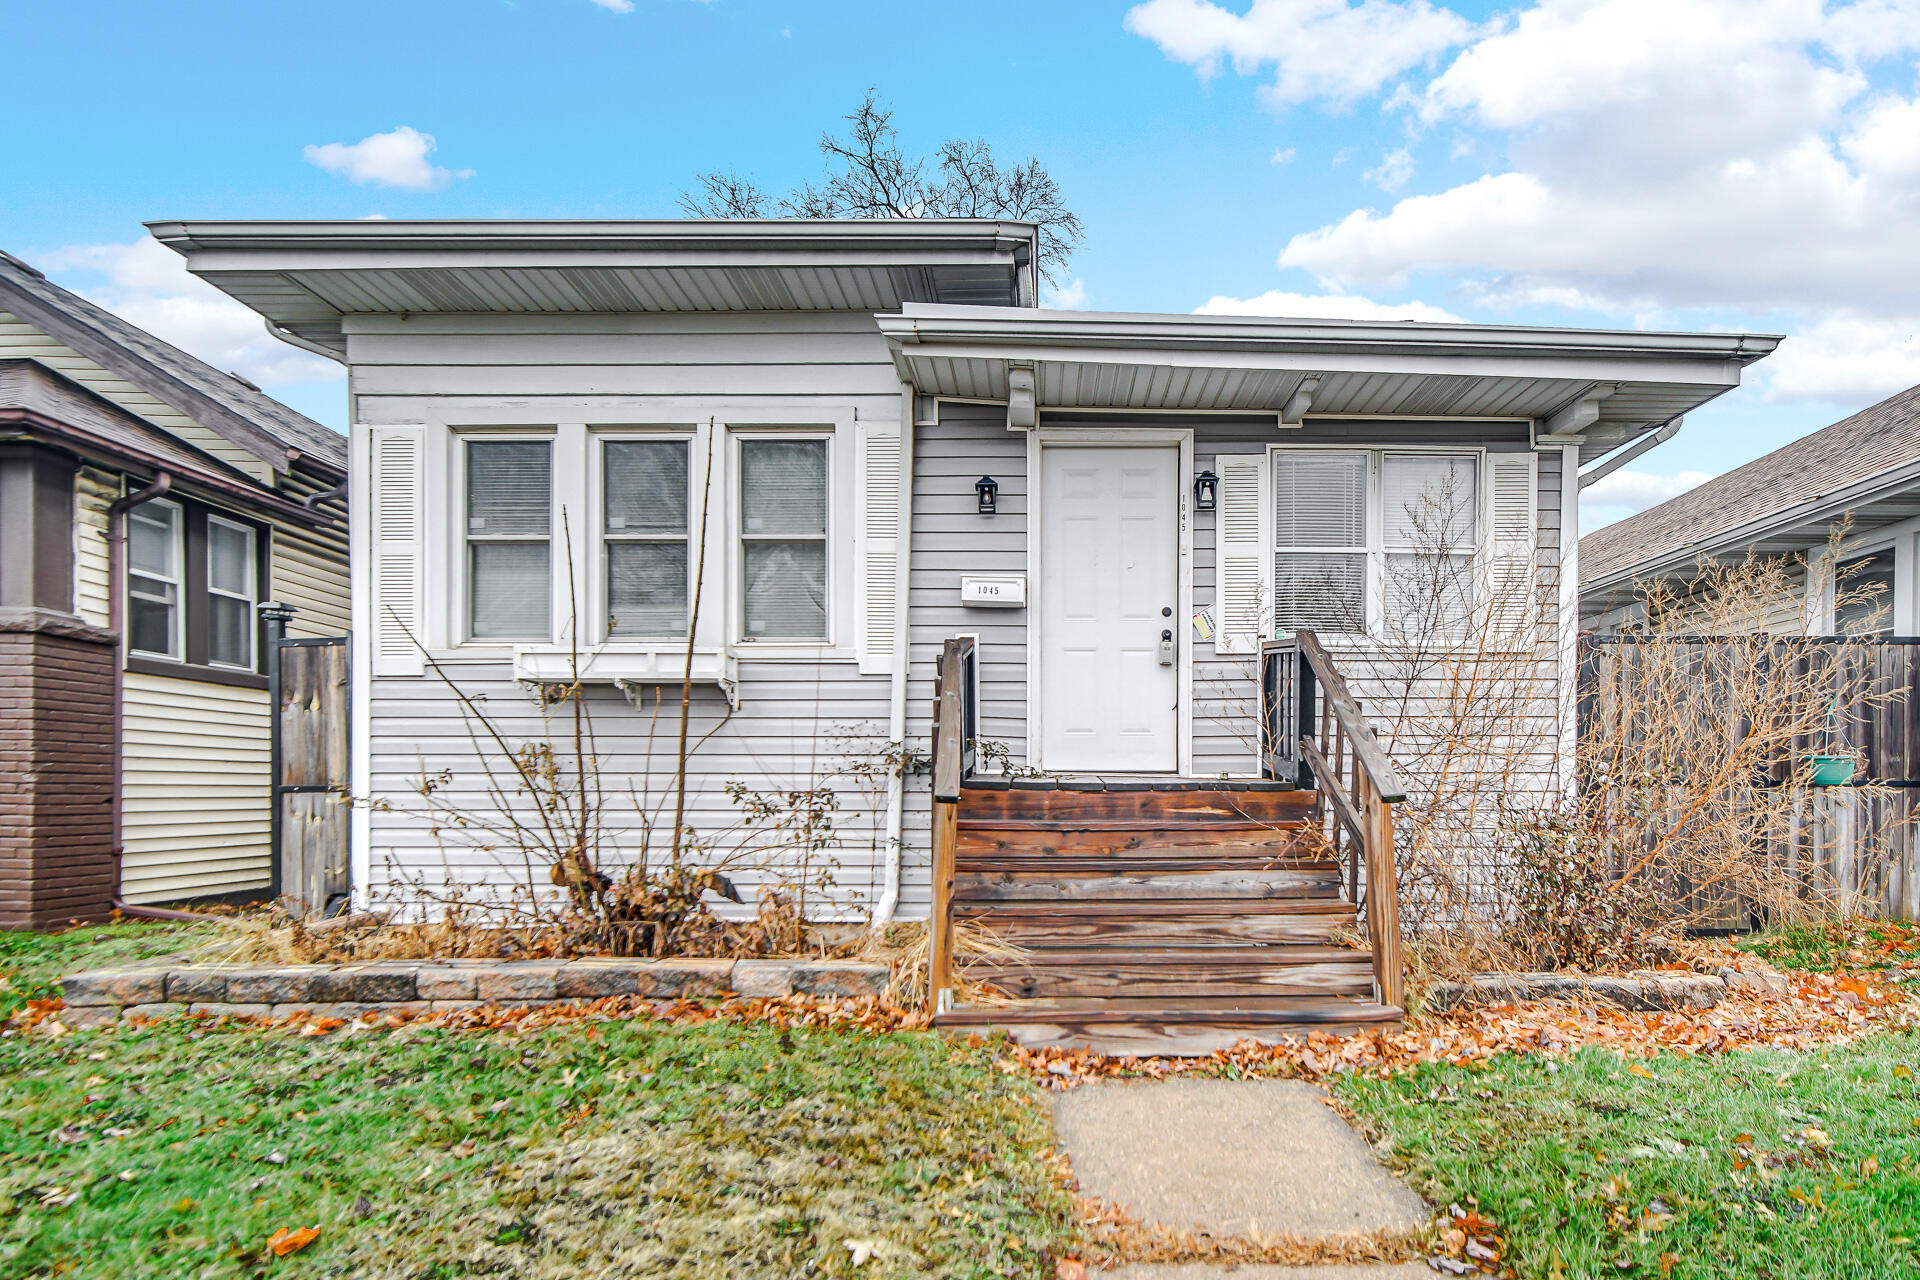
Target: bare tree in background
868 176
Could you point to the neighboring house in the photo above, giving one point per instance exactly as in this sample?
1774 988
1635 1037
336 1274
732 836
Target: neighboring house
148 503
1862 473
541 406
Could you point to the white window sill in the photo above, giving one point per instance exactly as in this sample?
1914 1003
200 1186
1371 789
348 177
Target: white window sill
632 669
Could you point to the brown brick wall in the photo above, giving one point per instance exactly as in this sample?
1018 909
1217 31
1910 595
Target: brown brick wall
56 777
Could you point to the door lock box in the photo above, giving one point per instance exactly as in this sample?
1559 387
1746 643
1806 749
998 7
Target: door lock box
1166 649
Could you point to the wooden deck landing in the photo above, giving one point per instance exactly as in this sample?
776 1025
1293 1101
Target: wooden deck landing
1157 917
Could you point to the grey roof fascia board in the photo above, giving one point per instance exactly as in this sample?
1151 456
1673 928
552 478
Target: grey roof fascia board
932 323
1821 510
665 242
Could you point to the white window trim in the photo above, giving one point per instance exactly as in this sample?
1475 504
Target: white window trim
598 597
1376 520
1888 540
177 633
461 589
735 576
250 599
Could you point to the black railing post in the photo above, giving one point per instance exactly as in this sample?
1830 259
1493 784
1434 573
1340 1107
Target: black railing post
275 617
1303 717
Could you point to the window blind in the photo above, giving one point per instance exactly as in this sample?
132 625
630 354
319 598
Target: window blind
646 531
509 529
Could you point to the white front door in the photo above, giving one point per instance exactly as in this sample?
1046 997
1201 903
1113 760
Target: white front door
1109 593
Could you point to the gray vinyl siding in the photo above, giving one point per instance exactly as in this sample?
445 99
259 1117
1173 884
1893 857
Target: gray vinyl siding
952 538
801 721
815 726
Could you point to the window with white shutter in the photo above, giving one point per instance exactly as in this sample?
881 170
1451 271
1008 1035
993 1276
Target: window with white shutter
1320 541
877 544
1243 555
395 520
509 528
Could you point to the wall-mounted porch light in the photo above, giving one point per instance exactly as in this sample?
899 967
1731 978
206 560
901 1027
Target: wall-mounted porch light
1206 487
988 490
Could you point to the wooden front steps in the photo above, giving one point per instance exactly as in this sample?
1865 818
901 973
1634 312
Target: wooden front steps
1156 920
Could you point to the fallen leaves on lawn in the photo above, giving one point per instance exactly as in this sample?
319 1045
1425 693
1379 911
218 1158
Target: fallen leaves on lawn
1819 1009
284 1242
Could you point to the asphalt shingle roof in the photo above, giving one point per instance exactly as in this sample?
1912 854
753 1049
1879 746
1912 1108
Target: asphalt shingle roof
1876 440
211 393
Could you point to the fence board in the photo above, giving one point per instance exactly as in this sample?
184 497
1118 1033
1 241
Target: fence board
311 784
1855 843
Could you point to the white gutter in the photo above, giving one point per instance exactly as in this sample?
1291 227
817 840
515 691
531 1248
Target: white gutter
1621 457
293 339
897 693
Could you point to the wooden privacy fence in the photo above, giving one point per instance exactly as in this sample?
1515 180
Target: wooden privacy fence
1853 841
310 690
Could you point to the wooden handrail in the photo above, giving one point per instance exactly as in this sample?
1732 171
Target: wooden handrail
1366 748
1362 806
952 718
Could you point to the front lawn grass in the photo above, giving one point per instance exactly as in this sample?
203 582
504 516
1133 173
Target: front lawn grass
1760 1164
592 1149
31 964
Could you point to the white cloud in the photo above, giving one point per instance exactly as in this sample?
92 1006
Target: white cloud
396 159
1071 297
1394 171
1846 358
147 284
1626 492
1337 50
617 6
1276 302
1282 156
1742 157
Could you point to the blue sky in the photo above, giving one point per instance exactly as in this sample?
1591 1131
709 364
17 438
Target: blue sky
1743 164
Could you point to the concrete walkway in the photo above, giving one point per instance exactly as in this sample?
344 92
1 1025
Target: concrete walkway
1233 1157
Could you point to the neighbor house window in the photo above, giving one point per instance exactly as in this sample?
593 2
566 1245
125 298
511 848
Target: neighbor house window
644 500
231 593
509 524
156 584
783 539
1367 533
1863 595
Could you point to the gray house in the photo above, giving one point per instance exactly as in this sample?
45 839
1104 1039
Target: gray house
879 446
1863 471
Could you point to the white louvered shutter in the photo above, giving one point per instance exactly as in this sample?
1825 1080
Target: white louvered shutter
1511 487
876 550
396 524
1243 558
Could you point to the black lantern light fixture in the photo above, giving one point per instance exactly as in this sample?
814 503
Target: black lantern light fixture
1206 487
989 491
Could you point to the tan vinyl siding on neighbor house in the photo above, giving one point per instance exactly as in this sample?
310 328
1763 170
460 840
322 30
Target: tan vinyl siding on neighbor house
93 492
309 567
195 812
21 340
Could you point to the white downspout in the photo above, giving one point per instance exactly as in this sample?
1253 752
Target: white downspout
1569 614
897 704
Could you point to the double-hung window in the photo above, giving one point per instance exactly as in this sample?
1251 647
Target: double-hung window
156 581
1371 539
231 593
1321 523
644 500
509 528
783 539
1429 513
